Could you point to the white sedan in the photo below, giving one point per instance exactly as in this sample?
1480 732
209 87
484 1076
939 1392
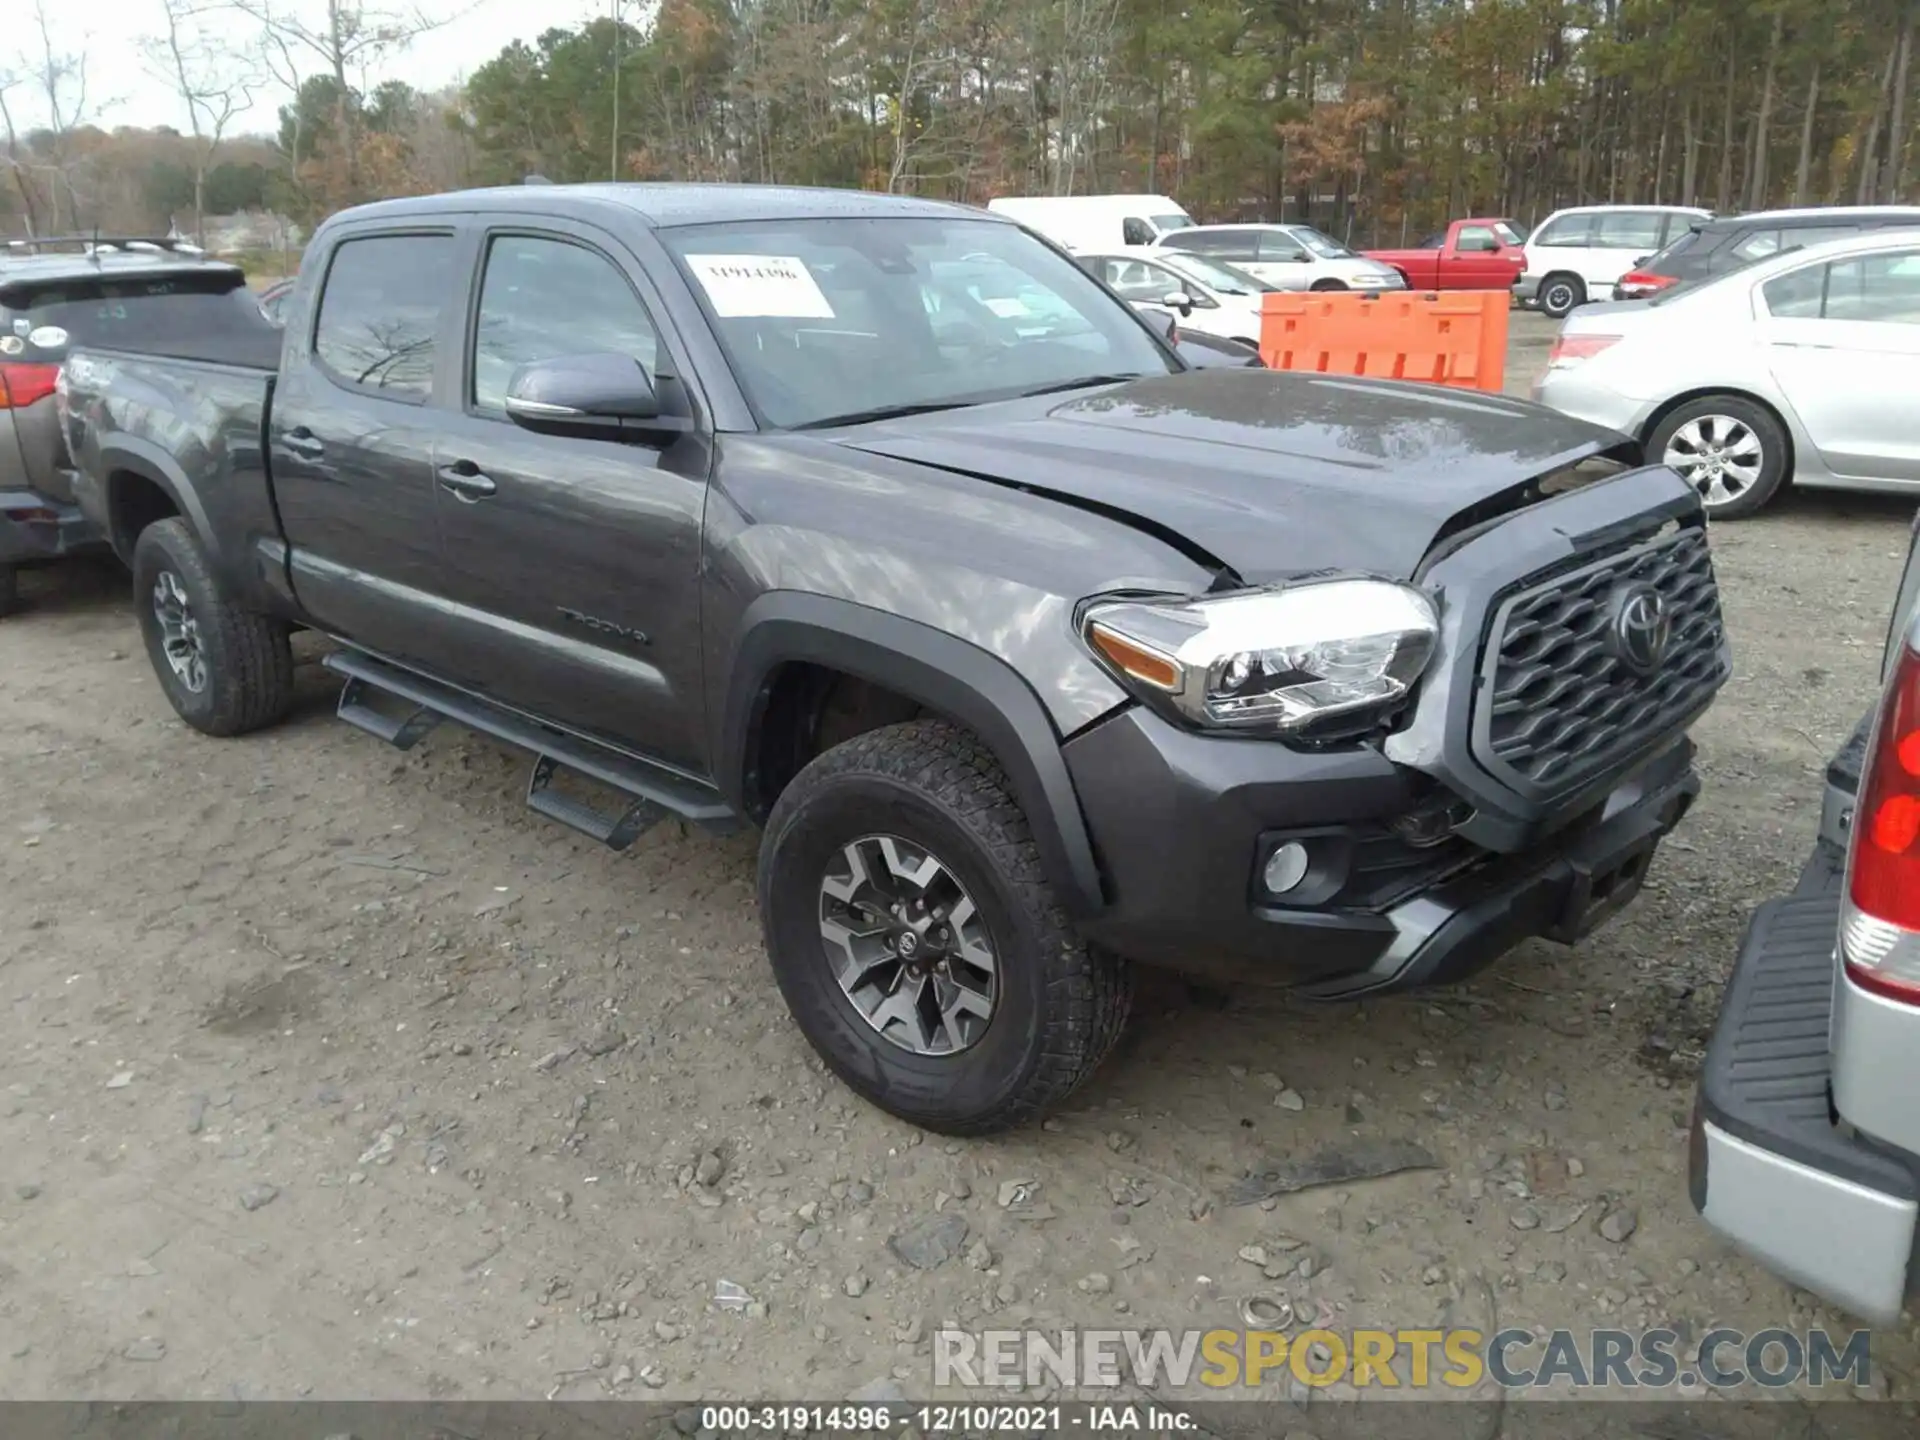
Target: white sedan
1802 369
1220 300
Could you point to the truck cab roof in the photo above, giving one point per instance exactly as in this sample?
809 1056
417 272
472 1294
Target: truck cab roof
666 205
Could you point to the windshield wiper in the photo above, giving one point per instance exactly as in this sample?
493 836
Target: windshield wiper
1084 382
885 412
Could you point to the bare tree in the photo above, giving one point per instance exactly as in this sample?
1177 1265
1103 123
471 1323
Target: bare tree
18 162
213 79
339 38
60 76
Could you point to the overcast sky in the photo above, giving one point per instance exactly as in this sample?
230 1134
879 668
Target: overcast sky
117 72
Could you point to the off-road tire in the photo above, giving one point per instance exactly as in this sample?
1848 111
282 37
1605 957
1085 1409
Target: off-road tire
1561 294
248 656
1062 1004
9 589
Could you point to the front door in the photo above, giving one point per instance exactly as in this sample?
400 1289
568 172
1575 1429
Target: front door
573 563
1843 341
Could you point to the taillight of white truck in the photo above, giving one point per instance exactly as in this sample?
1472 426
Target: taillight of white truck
1880 922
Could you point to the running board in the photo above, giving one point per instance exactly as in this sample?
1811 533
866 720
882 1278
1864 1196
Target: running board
649 793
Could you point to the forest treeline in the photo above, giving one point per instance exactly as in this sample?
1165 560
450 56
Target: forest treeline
1376 118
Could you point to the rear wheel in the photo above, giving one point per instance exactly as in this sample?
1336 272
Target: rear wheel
1560 294
917 940
1734 452
226 670
9 589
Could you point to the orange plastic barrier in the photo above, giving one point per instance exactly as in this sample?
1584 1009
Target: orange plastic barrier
1456 337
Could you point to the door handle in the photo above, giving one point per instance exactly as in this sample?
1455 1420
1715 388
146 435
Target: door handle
463 480
304 443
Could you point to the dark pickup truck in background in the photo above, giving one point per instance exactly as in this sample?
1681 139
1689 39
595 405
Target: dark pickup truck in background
1033 652
155 296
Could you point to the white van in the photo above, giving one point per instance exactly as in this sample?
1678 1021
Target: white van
1095 222
1577 254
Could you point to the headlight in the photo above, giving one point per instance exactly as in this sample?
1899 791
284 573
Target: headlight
1282 661
1376 280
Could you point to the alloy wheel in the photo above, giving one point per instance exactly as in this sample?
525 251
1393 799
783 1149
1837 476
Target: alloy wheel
908 946
1719 456
179 632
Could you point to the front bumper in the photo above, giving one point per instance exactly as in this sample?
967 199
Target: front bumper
1770 1170
1526 289
35 527
1183 824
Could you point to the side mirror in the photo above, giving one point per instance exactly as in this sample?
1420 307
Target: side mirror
1178 300
602 396
1161 320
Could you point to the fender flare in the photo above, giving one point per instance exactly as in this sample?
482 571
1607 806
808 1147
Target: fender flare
135 456
943 672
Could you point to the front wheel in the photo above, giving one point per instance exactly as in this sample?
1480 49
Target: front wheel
1732 451
1325 285
9 588
225 670
918 942
1560 295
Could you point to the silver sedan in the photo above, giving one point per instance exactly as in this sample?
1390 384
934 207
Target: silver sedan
1802 369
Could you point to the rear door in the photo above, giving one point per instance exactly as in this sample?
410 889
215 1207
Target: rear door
1621 238
572 565
350 437
1843 341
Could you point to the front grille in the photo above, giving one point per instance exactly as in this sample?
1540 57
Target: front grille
1558 703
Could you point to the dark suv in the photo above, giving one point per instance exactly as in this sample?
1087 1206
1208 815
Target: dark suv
1729 242
56 293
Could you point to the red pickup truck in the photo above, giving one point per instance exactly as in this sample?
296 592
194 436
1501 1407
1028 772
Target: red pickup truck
1481 253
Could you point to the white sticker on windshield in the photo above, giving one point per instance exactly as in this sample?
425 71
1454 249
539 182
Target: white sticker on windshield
1007 307
21 325
48 337
11 345
768 286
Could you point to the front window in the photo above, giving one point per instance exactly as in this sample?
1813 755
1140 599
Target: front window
1164 223
1511 231
832 320
1325 246
1223 279
1567 230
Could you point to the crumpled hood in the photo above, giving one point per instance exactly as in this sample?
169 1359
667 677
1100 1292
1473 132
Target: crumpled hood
1271 474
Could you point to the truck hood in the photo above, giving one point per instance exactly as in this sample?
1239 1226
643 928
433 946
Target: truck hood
1265 474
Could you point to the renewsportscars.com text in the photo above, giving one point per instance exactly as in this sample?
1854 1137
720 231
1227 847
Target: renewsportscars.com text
1413 1359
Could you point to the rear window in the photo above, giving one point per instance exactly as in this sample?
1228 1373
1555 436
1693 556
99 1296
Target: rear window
124 313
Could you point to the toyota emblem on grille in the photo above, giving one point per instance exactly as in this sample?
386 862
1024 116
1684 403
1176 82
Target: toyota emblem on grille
1641 627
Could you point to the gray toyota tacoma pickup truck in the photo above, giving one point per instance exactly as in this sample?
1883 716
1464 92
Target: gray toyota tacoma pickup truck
1806 1136
881 525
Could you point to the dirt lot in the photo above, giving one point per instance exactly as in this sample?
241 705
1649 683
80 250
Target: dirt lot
333 1071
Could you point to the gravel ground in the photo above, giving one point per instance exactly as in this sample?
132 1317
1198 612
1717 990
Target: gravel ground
332 1071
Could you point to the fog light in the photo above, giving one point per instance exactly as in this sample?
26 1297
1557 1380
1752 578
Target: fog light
1286 868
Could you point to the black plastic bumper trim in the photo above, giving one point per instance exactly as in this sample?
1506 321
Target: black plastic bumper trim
1767 1071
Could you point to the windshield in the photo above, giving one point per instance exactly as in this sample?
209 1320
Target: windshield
1220 278
836 320
1164 223
1325 246
1511 231
124 313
